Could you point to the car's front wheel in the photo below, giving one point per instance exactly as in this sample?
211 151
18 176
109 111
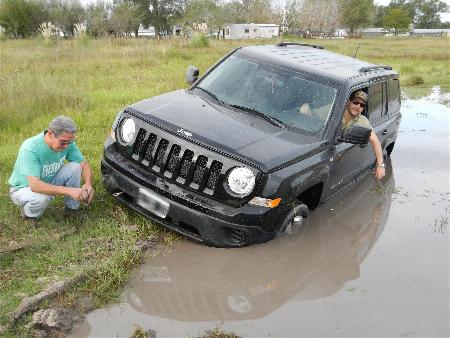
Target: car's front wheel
295 219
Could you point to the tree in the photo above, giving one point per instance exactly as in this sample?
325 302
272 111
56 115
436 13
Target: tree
199 12
233 12
356 14
397 21
378 20
427 13
424 13
21 18
319 16
66 14
97 21
290 11
160 14
125 18
257 11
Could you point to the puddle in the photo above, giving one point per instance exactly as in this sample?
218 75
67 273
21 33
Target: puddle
374 262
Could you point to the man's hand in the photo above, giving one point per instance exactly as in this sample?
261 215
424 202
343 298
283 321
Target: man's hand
77 194
89 193
379 172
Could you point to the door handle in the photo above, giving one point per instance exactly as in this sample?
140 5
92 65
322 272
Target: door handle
385 132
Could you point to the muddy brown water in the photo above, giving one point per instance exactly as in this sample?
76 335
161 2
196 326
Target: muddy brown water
373 262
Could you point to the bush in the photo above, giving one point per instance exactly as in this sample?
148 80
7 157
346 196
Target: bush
414 80
200 41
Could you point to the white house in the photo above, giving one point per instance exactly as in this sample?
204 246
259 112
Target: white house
250 31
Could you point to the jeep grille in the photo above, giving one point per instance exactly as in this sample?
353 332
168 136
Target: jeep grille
176 162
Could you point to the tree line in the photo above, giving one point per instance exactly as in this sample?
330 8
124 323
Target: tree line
26 18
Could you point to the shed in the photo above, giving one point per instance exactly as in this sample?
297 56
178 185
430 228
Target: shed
430 32
146 31
250 31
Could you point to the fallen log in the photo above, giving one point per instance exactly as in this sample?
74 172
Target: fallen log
29 242
31 303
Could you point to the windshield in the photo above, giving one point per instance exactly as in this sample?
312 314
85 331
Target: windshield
275 92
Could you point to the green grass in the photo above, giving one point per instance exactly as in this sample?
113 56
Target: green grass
427 59
91 80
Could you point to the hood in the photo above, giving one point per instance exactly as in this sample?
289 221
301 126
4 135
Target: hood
239 134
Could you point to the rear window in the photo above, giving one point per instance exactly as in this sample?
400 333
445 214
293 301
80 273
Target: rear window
394 95
375 101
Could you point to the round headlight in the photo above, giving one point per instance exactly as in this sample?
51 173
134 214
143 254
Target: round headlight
241 181
127 130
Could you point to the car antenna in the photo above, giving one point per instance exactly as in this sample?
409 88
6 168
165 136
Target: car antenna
354 56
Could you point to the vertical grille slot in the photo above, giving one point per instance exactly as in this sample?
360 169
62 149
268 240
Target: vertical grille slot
173 160
149 151
200 168
214 175
139 144
160 154
186 164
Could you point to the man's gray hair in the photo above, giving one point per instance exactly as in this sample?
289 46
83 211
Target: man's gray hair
62 124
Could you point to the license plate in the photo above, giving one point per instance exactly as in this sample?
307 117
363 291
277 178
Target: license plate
152 202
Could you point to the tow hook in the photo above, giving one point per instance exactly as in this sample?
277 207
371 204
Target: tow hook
116 194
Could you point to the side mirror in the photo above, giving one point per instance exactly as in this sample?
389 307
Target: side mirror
191 74
356 135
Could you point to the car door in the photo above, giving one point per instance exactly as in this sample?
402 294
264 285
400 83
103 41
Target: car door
346 163
350 160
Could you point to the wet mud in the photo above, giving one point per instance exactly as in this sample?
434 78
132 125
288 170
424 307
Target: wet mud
372 262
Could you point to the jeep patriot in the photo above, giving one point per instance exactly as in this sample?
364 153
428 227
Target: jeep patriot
253 145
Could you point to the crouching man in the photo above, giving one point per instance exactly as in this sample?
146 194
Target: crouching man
41 171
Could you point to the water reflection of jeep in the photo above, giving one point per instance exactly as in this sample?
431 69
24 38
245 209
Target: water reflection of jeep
252 146
315 262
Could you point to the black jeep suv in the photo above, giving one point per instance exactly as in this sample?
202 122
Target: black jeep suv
253 145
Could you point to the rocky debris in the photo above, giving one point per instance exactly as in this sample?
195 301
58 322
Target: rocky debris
150 333
219 333
147 243
54 319
31 303
140 333
130 227
86 303
38 333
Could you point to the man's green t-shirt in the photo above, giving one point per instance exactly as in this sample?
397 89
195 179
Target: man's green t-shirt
37 159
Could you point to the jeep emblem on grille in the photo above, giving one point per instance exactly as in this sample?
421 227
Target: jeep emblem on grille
184 132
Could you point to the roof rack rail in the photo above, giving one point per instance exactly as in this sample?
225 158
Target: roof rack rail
374 67
284 44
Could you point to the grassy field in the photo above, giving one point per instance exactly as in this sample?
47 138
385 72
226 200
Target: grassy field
91 80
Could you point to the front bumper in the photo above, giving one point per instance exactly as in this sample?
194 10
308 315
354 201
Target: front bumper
190 214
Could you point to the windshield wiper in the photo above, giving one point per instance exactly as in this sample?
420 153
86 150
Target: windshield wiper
271 119
211 94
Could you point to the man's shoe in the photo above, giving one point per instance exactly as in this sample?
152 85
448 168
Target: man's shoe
32 220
